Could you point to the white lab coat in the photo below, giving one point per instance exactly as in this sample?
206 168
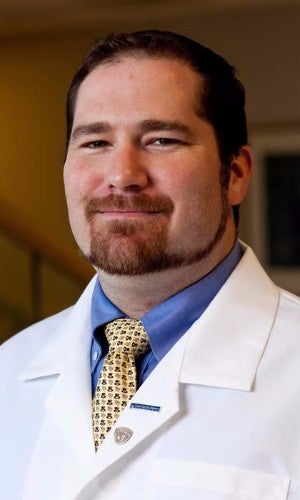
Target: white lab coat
228 392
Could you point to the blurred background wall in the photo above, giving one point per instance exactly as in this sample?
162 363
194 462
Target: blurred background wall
42 44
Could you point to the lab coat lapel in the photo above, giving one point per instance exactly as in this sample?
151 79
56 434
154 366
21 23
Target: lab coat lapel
154 404
226 344
69 405
66 358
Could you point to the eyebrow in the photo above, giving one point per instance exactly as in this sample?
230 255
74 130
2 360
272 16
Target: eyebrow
157 125
89 129
144 126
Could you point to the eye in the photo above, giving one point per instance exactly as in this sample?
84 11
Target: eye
95 144
166 141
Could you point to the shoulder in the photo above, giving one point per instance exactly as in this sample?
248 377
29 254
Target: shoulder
31 339
27 343
289 305
37 332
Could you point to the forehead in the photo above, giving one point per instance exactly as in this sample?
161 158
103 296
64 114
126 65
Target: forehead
140 81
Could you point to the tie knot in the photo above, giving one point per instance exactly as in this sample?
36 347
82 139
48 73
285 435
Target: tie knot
127 335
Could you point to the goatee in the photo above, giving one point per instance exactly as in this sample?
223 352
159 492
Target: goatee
135 247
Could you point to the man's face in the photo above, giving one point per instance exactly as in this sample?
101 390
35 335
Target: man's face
142 173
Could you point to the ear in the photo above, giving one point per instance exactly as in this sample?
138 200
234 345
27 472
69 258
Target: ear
240 175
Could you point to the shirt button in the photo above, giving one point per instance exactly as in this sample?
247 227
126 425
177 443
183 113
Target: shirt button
95 356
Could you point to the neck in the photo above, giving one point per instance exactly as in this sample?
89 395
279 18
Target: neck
136 295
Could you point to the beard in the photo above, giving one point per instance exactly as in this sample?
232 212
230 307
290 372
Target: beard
135 247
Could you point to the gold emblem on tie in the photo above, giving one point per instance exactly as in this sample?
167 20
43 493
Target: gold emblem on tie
117 382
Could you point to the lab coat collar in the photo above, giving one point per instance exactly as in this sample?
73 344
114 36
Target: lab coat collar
73 334
226 344
66 358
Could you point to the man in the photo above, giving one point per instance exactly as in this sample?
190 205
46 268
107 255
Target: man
157 163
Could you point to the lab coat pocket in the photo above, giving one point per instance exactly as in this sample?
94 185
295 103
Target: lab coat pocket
194 480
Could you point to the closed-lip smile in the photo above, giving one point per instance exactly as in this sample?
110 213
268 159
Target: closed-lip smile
127 213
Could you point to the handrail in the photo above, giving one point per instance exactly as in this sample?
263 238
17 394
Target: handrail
21 231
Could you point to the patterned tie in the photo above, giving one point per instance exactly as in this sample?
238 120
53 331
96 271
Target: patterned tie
117 382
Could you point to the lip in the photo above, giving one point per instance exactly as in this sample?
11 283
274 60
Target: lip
128 213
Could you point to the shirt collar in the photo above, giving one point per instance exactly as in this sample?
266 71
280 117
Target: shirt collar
168 321
102 309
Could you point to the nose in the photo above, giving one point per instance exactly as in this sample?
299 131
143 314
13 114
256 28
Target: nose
126 170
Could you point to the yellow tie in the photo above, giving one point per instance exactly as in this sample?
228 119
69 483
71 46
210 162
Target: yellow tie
117 382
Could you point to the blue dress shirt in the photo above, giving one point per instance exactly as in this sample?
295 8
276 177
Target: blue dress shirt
165 323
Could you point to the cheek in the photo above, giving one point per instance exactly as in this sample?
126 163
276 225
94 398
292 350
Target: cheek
189 187
80 180
197 198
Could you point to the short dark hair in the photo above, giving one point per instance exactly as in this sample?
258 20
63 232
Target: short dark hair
222 98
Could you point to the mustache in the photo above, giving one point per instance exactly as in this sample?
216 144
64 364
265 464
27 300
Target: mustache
139 202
